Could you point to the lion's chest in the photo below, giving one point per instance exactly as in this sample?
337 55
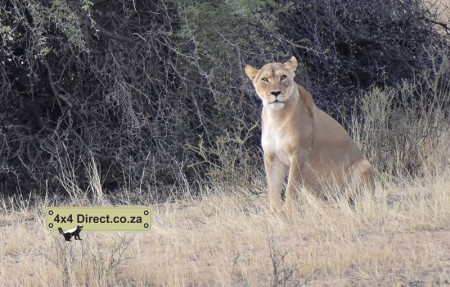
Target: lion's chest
275 142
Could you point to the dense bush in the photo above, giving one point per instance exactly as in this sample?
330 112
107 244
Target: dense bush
348 47
405 130
153 91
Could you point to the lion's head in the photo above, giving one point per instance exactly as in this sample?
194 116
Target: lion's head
274 82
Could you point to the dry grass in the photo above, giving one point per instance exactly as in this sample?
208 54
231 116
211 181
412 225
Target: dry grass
229 238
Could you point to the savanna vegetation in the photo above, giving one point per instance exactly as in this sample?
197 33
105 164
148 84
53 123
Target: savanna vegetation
145 102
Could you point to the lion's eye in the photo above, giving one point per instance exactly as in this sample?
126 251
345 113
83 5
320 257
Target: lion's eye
283 77
265 80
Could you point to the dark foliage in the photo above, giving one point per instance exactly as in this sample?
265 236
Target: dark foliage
350 46
153 91
103 87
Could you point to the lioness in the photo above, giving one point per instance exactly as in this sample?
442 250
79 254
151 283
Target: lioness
299 137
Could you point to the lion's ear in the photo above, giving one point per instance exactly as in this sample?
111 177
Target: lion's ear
292 64
251 71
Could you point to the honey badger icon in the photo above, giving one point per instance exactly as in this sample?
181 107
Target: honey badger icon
71 232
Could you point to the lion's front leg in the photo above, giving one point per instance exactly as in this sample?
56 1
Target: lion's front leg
275 174
295 181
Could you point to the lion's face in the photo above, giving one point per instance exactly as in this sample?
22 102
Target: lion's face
274 83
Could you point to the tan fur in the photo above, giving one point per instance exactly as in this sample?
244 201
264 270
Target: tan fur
302 141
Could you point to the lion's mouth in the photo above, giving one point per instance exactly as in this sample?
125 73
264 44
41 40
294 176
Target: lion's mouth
276 101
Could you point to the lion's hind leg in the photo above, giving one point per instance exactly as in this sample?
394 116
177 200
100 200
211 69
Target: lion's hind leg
360 180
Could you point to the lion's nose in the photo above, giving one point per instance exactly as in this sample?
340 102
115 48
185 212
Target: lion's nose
275 93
